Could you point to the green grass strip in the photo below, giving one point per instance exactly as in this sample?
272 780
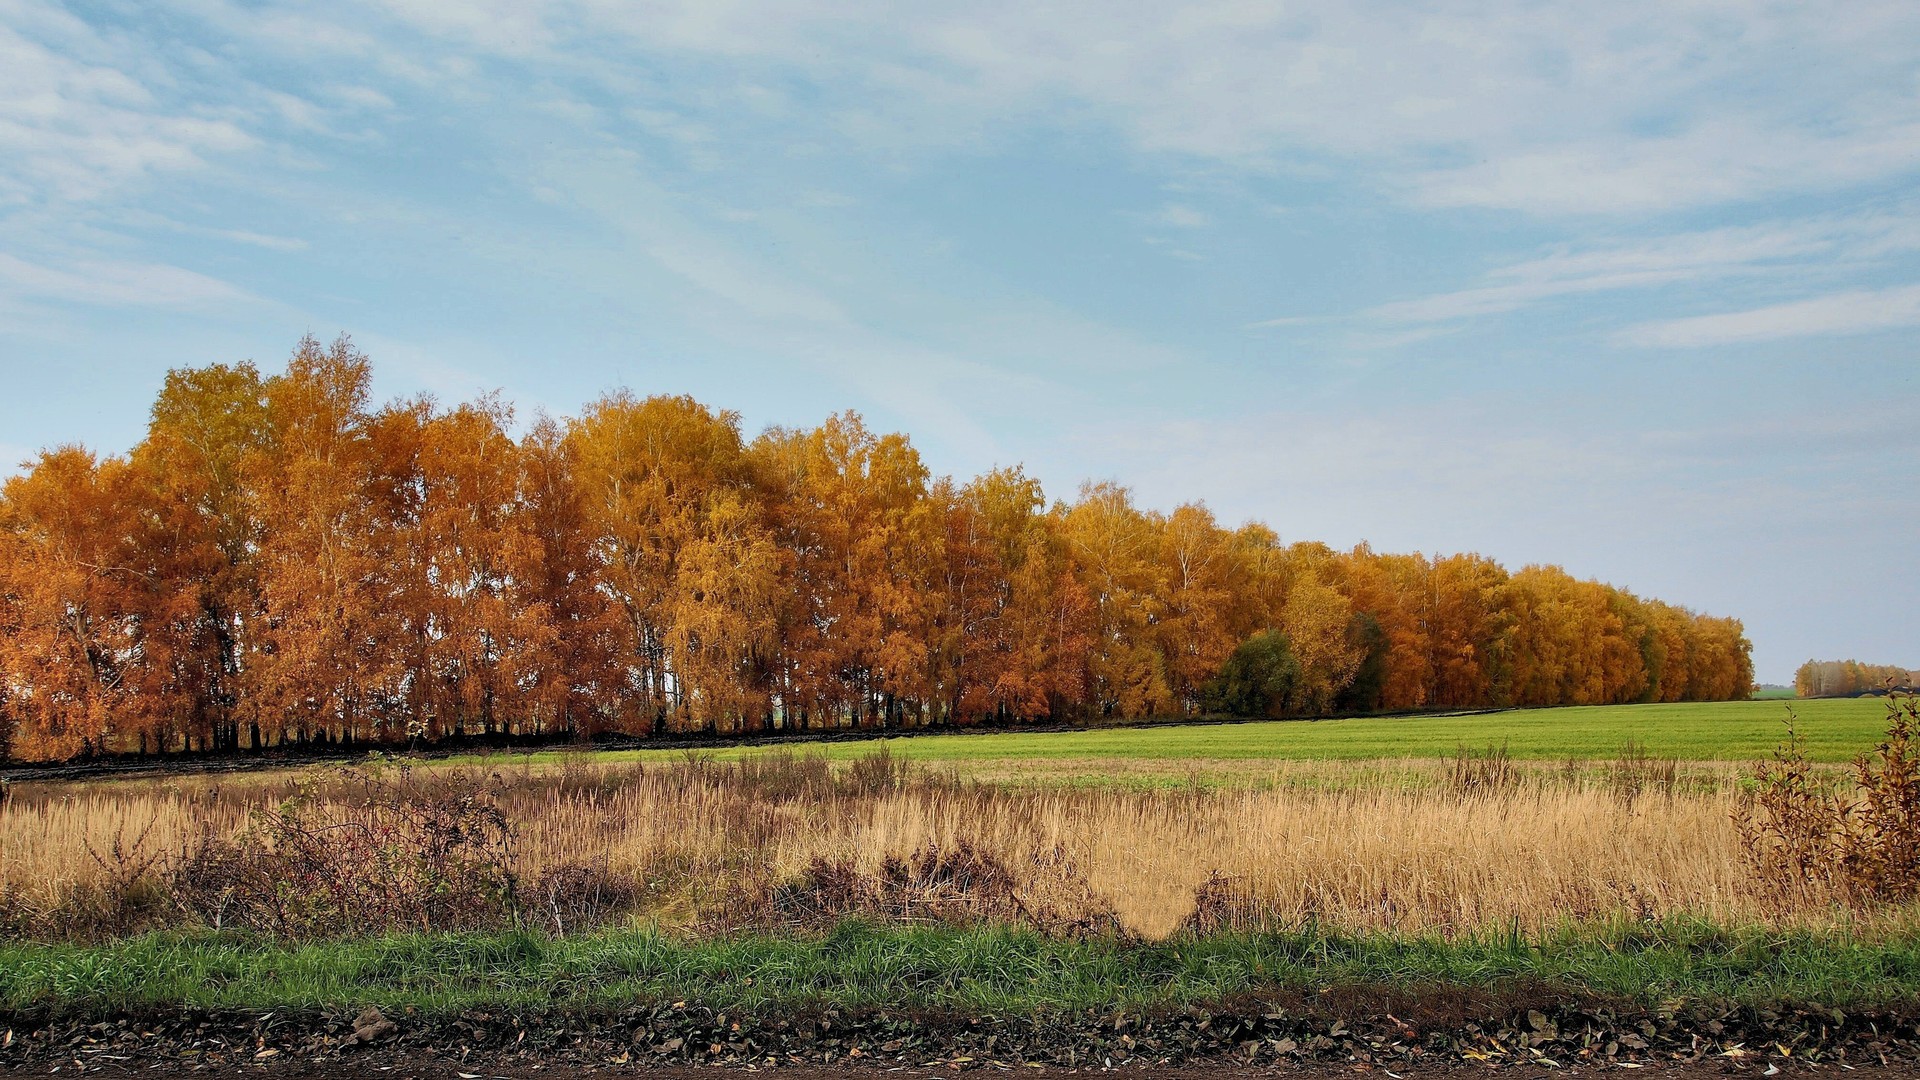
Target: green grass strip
990 969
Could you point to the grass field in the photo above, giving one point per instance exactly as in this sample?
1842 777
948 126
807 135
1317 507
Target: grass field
990 968
1836 729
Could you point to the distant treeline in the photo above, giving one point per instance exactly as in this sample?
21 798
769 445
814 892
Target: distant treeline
280 562
1844 678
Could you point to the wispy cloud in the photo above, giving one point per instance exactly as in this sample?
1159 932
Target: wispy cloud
1179 216
1812 247
1711 162
261 240
1854 312
1559 110
142 219
74 128
115 284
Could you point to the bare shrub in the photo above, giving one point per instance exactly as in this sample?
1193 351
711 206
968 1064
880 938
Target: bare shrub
783 776
1882 838
393 857
957 884
961 884
1790 821
1804 833
1223 903
580 778
127 893
577 896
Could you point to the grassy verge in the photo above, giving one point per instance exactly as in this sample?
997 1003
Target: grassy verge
992 969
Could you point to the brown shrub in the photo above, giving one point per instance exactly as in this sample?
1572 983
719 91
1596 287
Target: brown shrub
961 884
1222 903
1804 834
127 894
392 857
1882 840
577 896
878 773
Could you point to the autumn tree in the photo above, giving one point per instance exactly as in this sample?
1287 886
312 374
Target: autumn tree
1013 623
1195 629
1316 617
863 546
1839 678
70 643
281 560
322 625
683 549
1116 549
1258 679
576 683
452 530
1392 597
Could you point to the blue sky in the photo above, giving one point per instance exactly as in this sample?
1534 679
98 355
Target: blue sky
1630 287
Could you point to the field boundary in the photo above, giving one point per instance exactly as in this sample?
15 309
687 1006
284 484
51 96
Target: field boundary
287 757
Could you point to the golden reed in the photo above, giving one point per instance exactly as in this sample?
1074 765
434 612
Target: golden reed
1362 845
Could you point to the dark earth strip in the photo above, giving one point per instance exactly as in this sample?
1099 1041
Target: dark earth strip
1441 1030
432 1067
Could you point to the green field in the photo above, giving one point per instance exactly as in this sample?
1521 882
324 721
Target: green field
1836 729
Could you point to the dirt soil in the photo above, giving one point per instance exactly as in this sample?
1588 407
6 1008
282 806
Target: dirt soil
434 1069
1439 1032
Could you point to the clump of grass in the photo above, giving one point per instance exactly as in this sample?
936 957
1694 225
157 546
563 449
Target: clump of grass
964 885
1637 772
1482 772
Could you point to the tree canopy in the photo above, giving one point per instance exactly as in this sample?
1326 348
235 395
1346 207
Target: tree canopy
280 560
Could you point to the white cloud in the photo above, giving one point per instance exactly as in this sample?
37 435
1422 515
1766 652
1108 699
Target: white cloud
1714 161
263 240
142 219
1811 247
1179 216
1635 107
744 284
1854 312
1627 107
116 283
74 129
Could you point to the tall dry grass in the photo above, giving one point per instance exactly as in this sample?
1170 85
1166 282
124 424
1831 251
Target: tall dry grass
1369 845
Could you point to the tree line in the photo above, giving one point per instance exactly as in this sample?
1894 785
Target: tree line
279 561
1845 678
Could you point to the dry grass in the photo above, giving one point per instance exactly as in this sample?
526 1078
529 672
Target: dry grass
1361 845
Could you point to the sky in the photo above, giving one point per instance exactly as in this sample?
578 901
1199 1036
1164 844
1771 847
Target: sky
1633 287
